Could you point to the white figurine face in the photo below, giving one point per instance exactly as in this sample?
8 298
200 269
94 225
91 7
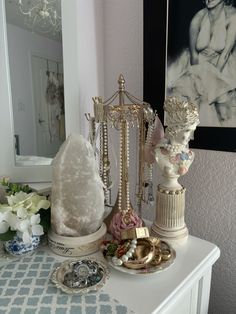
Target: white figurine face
212 3
183 137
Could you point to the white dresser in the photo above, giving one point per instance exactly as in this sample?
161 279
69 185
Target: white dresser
183 288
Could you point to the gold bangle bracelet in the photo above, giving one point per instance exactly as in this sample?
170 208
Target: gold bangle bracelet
143 254
134 233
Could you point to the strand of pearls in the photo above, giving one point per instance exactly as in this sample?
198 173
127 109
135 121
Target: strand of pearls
124 258
121 177
105 161
150 185
101 150
174 148
127 167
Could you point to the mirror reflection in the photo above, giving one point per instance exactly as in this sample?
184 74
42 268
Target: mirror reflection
36 73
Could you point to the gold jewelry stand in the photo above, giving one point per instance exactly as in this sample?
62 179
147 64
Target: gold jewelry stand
121 116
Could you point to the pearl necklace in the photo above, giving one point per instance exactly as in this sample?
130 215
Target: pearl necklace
174 148
124 258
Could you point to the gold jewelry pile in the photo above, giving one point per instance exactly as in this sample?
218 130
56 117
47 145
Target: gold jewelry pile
137 250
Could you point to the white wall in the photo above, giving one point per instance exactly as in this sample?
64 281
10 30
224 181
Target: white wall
84 54
21 45
91 68
123 54
210 182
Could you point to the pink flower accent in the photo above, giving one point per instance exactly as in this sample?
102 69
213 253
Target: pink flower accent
182 170
124 220
173 160
177 157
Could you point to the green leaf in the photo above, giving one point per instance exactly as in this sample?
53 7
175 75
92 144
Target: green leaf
12 188
45 219
9 235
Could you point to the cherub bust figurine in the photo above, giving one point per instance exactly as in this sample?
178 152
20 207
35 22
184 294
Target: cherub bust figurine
173 155
174 159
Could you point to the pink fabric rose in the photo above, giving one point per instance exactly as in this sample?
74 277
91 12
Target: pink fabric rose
124 220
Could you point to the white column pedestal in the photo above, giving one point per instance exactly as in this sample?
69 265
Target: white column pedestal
169 224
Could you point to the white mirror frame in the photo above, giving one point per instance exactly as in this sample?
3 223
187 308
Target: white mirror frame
71 92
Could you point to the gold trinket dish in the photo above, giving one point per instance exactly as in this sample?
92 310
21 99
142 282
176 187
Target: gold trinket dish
140 256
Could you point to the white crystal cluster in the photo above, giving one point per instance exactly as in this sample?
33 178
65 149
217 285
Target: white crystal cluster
77 190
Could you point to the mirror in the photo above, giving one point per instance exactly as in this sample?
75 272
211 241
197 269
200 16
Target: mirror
37 87
83 68
13 103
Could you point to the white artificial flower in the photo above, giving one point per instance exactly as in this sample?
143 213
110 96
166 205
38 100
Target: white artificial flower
35 219
18 198
7 219
37 229
4 208
26 237
23 225
4 226
11 219
22 212
38 202
30 226
32 202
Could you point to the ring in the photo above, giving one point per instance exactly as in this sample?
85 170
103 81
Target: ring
134 233
165 255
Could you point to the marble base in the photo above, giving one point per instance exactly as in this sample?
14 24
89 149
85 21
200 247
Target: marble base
76 246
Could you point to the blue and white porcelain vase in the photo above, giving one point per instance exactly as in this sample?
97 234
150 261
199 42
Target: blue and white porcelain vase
17 247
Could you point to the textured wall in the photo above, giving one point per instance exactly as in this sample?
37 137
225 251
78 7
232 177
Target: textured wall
211 215
210 182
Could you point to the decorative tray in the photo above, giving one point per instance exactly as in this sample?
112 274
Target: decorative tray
80 276
157 262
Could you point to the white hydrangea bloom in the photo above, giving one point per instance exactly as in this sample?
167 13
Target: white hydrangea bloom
28 227
20 214
7 219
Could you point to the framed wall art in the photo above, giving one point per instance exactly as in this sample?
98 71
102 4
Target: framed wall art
190 53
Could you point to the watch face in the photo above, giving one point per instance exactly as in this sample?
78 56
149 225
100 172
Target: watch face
81 270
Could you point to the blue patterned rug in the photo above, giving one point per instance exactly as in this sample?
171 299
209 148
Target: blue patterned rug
25 287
